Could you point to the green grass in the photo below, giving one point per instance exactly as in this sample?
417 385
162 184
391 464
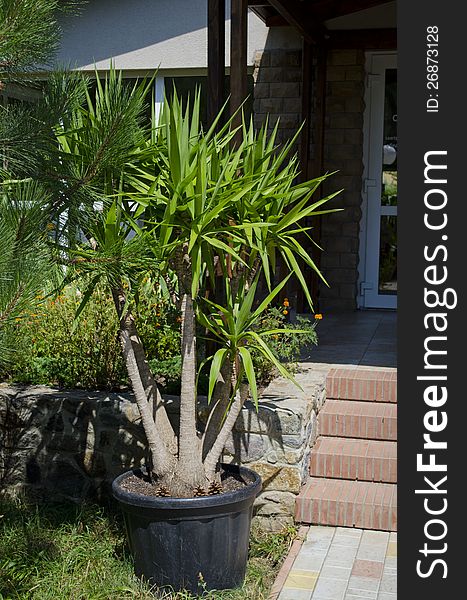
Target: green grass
66 552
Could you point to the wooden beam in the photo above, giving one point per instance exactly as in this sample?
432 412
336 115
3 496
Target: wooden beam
238 55
330 9
216 57
307 66
364 39
300 15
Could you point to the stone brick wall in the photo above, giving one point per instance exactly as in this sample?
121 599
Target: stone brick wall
72 444
278 93
343 152
278 75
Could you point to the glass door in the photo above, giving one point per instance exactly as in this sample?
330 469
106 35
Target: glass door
379 288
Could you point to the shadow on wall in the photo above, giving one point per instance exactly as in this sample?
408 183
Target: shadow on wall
114 28
66 443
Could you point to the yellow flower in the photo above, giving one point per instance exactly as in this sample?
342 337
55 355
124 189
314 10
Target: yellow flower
50 226
286 302
285 312
318 316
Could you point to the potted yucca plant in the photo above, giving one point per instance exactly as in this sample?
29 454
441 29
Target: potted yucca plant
206 215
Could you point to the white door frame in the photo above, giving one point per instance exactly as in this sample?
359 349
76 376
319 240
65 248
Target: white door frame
369 296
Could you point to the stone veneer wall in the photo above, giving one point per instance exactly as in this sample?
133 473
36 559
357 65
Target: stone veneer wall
71 444
343 152
278 94
278 76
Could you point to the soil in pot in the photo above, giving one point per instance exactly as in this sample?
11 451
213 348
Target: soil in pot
189 543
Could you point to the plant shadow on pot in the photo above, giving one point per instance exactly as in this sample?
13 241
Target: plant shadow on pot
192 544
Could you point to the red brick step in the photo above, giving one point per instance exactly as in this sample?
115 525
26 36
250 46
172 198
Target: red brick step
349 458
374 385
349 418
343 503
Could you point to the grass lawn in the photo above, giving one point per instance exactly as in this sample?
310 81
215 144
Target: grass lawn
66 552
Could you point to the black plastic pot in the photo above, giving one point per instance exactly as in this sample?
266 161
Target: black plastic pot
190 543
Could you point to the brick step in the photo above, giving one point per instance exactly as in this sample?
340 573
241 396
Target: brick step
343 503
373 385
351 458
352 419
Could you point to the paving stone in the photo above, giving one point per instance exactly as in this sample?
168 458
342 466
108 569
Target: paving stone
330 588
366 596
301 579
359 584
309 562
368 568
295 594
389 583
336 572
387 596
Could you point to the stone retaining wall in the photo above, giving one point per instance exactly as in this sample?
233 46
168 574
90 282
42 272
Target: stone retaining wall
72 443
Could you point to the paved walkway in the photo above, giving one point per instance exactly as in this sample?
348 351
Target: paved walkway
337 563
363 338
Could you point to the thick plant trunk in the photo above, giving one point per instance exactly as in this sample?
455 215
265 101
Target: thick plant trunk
190 468
152 393
214 454
221 401
162 460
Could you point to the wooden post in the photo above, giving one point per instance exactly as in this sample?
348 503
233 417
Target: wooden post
305 138
317 164
238 56
216 57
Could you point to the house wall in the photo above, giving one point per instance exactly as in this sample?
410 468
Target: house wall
278 75
145 35
343 152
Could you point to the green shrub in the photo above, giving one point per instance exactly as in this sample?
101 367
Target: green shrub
287 347
52 350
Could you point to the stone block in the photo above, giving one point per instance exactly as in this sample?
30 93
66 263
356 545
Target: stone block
343 57
289 121
293 105
351 229
282 478
353 136
285 90
336 73
345 121
349 260
352 198
354 105
271 75
347 290
272 503
293 58
346 89
333 137
261 90
265 58
341 275
245 447
271 105
354 73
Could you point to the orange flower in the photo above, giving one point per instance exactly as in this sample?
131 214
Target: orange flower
286 302
318 316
